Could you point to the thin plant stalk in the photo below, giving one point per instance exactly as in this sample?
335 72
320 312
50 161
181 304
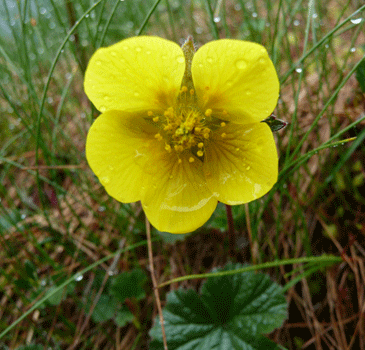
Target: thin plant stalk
154 282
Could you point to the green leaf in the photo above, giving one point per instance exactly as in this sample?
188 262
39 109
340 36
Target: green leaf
123 317
232 312
129 285
105 308
360 75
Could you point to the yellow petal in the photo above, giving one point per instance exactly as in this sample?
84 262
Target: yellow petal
238 77
242 165
117 148
139 73
177 199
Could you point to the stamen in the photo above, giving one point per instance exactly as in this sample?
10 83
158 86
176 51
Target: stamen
223 135
158 137
200 144
156 119
183 89
200 153
223 124
208 112
150 113
168 148
192 92
191 159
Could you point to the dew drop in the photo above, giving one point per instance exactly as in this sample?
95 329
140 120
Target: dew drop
217 19
241 64
353 49
113 53
102 109
138 49
105 180
248 93
136 94
262 60
254 15
298 70
201 65
98 62
356 20
210 60
315 15
78 277
148 52
248 168
296 23
181 59
111 168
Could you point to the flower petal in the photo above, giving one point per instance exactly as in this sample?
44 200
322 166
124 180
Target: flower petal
178 200
238 77
139 73
243 165
117 148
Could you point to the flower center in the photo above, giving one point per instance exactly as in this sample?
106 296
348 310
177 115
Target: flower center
183 127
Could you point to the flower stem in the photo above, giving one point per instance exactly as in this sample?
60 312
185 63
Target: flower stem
154 283
231 231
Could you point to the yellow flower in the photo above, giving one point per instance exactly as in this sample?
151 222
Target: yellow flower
181 130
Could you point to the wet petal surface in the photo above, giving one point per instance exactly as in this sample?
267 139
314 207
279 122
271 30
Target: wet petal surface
238 77
242 165
135 74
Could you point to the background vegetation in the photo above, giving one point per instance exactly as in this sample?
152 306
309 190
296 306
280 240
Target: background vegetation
56 219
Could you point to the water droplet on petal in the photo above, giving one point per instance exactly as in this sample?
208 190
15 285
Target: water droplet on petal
111 168
102 109
148 52
113 53
181 59
98 62
248 168
248 93
138 49
136 94
210 60
241 64
105 180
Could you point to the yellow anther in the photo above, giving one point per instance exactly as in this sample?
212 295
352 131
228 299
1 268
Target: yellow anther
156 119
168 148
208 112
223 135
207 88
206 131
184 89
206 136
237 149
191 160
224 112
150 113
197 129
158 137
200 153
223 124
192 92
179 161
178 148
167 127
200 144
